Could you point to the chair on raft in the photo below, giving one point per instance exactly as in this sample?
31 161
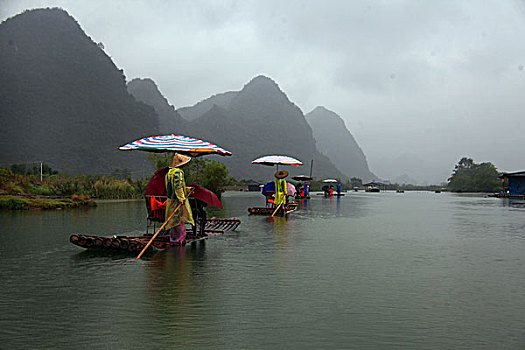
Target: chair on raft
270 195
156 206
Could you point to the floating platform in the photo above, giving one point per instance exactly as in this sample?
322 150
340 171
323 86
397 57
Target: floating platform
282 211
499 195
135 244
302 197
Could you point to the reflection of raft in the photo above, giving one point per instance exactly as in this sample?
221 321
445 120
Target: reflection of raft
297 196
372 189
214 227
282 211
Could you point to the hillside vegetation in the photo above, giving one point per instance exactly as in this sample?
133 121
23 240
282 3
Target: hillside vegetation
63 100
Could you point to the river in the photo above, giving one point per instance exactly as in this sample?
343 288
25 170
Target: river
413 270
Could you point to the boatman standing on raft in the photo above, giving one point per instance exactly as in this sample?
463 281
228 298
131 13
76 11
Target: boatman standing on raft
177 192
280 188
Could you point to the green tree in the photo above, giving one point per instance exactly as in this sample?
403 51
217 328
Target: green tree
208 173
160 160
356 182
19 169
471 177
465 163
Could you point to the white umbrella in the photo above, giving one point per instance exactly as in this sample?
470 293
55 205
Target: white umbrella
276 160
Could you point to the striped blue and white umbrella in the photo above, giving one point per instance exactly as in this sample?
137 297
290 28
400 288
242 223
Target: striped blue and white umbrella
175 143
276 160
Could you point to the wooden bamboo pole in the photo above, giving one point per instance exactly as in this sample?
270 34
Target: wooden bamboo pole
278 207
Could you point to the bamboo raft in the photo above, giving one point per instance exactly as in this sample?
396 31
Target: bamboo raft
282 211
135 244
301 197
500 195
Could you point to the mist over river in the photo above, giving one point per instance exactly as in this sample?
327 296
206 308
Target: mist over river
413 270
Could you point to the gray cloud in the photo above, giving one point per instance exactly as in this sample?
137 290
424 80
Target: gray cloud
419 83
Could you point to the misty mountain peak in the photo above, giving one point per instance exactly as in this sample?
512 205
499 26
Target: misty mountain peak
337 143
262 93
145 90
199 109
261 83
145 81
321 114
45 18
319 109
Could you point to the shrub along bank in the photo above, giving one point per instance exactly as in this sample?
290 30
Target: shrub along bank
25 203
28 192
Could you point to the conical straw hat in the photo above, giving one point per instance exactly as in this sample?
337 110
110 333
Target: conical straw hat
179 160
281 174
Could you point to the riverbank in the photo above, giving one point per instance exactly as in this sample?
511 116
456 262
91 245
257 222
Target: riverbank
58 191
28 202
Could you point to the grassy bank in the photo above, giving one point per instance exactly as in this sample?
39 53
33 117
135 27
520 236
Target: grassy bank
28 192
27 203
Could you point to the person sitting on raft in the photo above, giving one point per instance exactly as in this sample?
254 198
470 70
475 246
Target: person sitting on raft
280 188
300 189
177 192
306 189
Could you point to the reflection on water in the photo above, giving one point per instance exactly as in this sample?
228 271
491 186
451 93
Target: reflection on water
280 227
363 271
513 203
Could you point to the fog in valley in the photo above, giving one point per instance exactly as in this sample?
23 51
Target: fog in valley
418 84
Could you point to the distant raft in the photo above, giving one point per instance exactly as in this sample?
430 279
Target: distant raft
135 244
298 196
268 211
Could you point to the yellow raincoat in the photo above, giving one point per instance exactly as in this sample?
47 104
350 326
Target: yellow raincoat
280 191
177 191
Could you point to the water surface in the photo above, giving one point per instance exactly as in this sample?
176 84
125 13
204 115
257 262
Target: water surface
411 270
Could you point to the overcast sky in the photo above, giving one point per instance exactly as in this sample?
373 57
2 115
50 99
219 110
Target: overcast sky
420 84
